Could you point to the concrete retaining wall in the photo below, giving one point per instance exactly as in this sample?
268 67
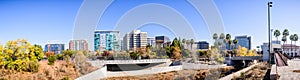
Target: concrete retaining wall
201 66
96 75
143 72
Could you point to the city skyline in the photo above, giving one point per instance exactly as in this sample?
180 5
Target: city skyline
42 21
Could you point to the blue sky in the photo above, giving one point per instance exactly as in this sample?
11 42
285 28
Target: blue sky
43 21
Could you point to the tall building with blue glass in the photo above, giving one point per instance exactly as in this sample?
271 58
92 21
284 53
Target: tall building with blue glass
107 40
244 41
56 48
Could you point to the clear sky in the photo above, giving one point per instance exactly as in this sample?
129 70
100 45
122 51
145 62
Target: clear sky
43 21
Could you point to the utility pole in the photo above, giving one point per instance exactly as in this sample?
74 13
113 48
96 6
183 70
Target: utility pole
269 29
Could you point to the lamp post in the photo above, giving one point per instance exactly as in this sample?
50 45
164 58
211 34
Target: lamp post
269 29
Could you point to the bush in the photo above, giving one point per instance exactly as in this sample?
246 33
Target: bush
33 66
66 78
59 56
51 60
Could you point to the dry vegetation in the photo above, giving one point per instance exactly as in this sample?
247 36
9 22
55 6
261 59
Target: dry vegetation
58 71
46 72
257 72
201 74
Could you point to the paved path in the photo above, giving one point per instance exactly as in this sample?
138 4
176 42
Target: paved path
286 72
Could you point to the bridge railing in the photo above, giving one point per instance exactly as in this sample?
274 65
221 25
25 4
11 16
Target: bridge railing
102 62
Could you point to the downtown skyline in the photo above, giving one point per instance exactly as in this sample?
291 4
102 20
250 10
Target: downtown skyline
42 21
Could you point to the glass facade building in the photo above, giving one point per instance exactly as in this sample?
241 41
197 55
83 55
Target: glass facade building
244 41
56 48
203 45
107 40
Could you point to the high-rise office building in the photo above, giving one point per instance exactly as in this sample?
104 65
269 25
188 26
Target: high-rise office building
244 41
78 45
134 40
56 48
107 40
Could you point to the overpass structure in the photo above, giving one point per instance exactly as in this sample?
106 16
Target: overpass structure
100 63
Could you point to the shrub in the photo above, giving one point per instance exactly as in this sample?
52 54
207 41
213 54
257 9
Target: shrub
66 78
59 56
51 60
33 66
20 55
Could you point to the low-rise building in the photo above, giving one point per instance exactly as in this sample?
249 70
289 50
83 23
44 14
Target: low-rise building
161 40
151 41
291 49
265 50
203 45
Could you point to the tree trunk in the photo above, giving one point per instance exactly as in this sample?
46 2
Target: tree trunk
291 47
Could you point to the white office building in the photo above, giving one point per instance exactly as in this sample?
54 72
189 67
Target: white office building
134 40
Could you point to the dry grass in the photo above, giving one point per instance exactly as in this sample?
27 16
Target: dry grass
46 72
177 75
296 71
257 72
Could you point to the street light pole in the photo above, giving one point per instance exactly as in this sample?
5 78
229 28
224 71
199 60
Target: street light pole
269 29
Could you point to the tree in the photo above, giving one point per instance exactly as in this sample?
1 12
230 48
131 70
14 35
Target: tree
284 40
37 52
192 42
106 54
20 55
222 36
277 34
228 39
68 52
285 33
235 41
51 60
295 38
215 37
292 39
175 49
183 42
176 53
1 57
242 51
215 57
188 42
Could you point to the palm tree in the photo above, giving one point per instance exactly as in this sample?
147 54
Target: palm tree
295 38
292 39
215 37
285 33
222 36
284 41
192 42
276 34
235 41
228 38
183 41
188 42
